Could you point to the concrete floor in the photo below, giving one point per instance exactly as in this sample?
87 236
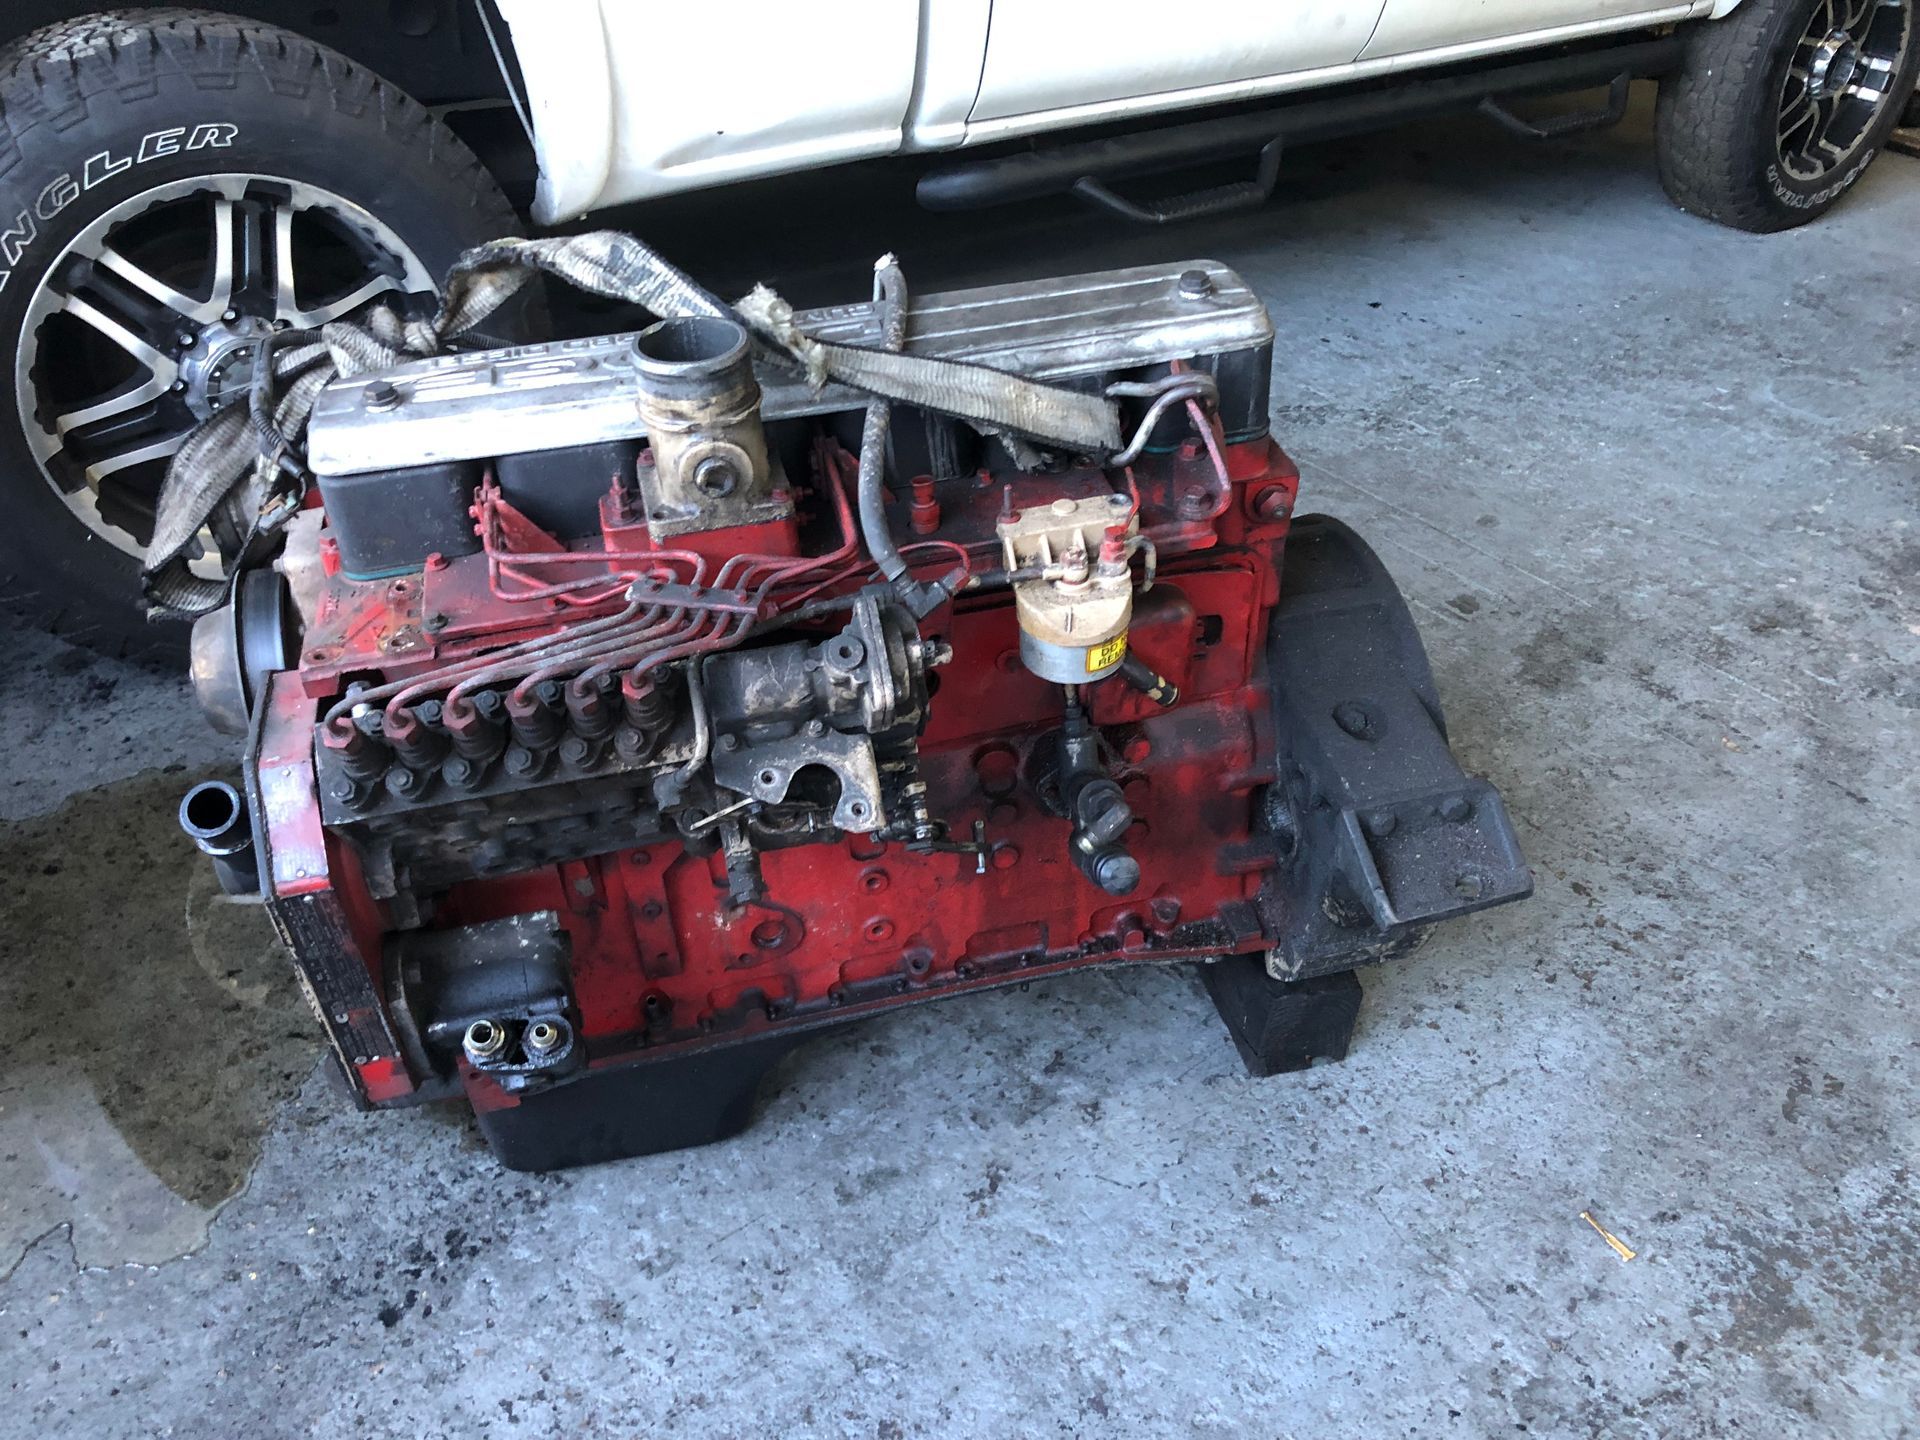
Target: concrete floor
1651 487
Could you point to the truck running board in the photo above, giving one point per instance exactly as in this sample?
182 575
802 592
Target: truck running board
1219 200
1086 168
1555 127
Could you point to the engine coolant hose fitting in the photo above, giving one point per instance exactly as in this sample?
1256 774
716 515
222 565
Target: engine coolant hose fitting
216 820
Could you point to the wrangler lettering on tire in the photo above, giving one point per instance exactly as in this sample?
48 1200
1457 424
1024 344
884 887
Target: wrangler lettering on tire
65 188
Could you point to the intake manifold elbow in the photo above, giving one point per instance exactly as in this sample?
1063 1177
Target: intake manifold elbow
701 406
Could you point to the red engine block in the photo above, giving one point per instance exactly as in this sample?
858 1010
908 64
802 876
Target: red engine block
1296 811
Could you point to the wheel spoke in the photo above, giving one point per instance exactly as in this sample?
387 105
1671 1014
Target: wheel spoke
1795 95
198 312
133 310
130 431
107 510
287 305
115 433
286 302
1822 116
161 449
249 250
112 407
161 366
1796 116
223 255
325 314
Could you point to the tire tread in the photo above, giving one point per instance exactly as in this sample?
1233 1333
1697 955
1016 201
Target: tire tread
1706 118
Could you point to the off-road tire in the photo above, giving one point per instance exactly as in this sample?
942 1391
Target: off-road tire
1718 115
299 111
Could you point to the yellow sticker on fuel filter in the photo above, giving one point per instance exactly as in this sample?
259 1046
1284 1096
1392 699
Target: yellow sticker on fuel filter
1107 654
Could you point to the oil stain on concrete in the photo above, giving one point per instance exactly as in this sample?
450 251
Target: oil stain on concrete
153 1028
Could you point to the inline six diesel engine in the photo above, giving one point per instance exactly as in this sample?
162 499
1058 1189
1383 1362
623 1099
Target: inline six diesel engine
622 710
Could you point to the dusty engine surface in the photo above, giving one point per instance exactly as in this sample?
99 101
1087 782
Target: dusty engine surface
606 734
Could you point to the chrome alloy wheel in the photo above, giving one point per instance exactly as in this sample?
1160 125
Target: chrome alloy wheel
1839 80
145 325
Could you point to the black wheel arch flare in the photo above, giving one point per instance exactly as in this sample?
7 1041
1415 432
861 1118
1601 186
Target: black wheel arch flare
435 50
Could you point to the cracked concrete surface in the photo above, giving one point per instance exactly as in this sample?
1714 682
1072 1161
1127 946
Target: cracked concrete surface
1651 488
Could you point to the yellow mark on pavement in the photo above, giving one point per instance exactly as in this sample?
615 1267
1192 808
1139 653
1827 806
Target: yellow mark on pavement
1619 1245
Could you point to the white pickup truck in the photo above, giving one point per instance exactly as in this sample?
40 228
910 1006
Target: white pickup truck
176 183
818 85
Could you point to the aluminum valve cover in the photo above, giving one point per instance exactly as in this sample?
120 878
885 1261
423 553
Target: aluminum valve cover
580 392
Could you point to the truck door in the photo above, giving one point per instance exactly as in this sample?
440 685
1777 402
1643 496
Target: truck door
633 98
1087 60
